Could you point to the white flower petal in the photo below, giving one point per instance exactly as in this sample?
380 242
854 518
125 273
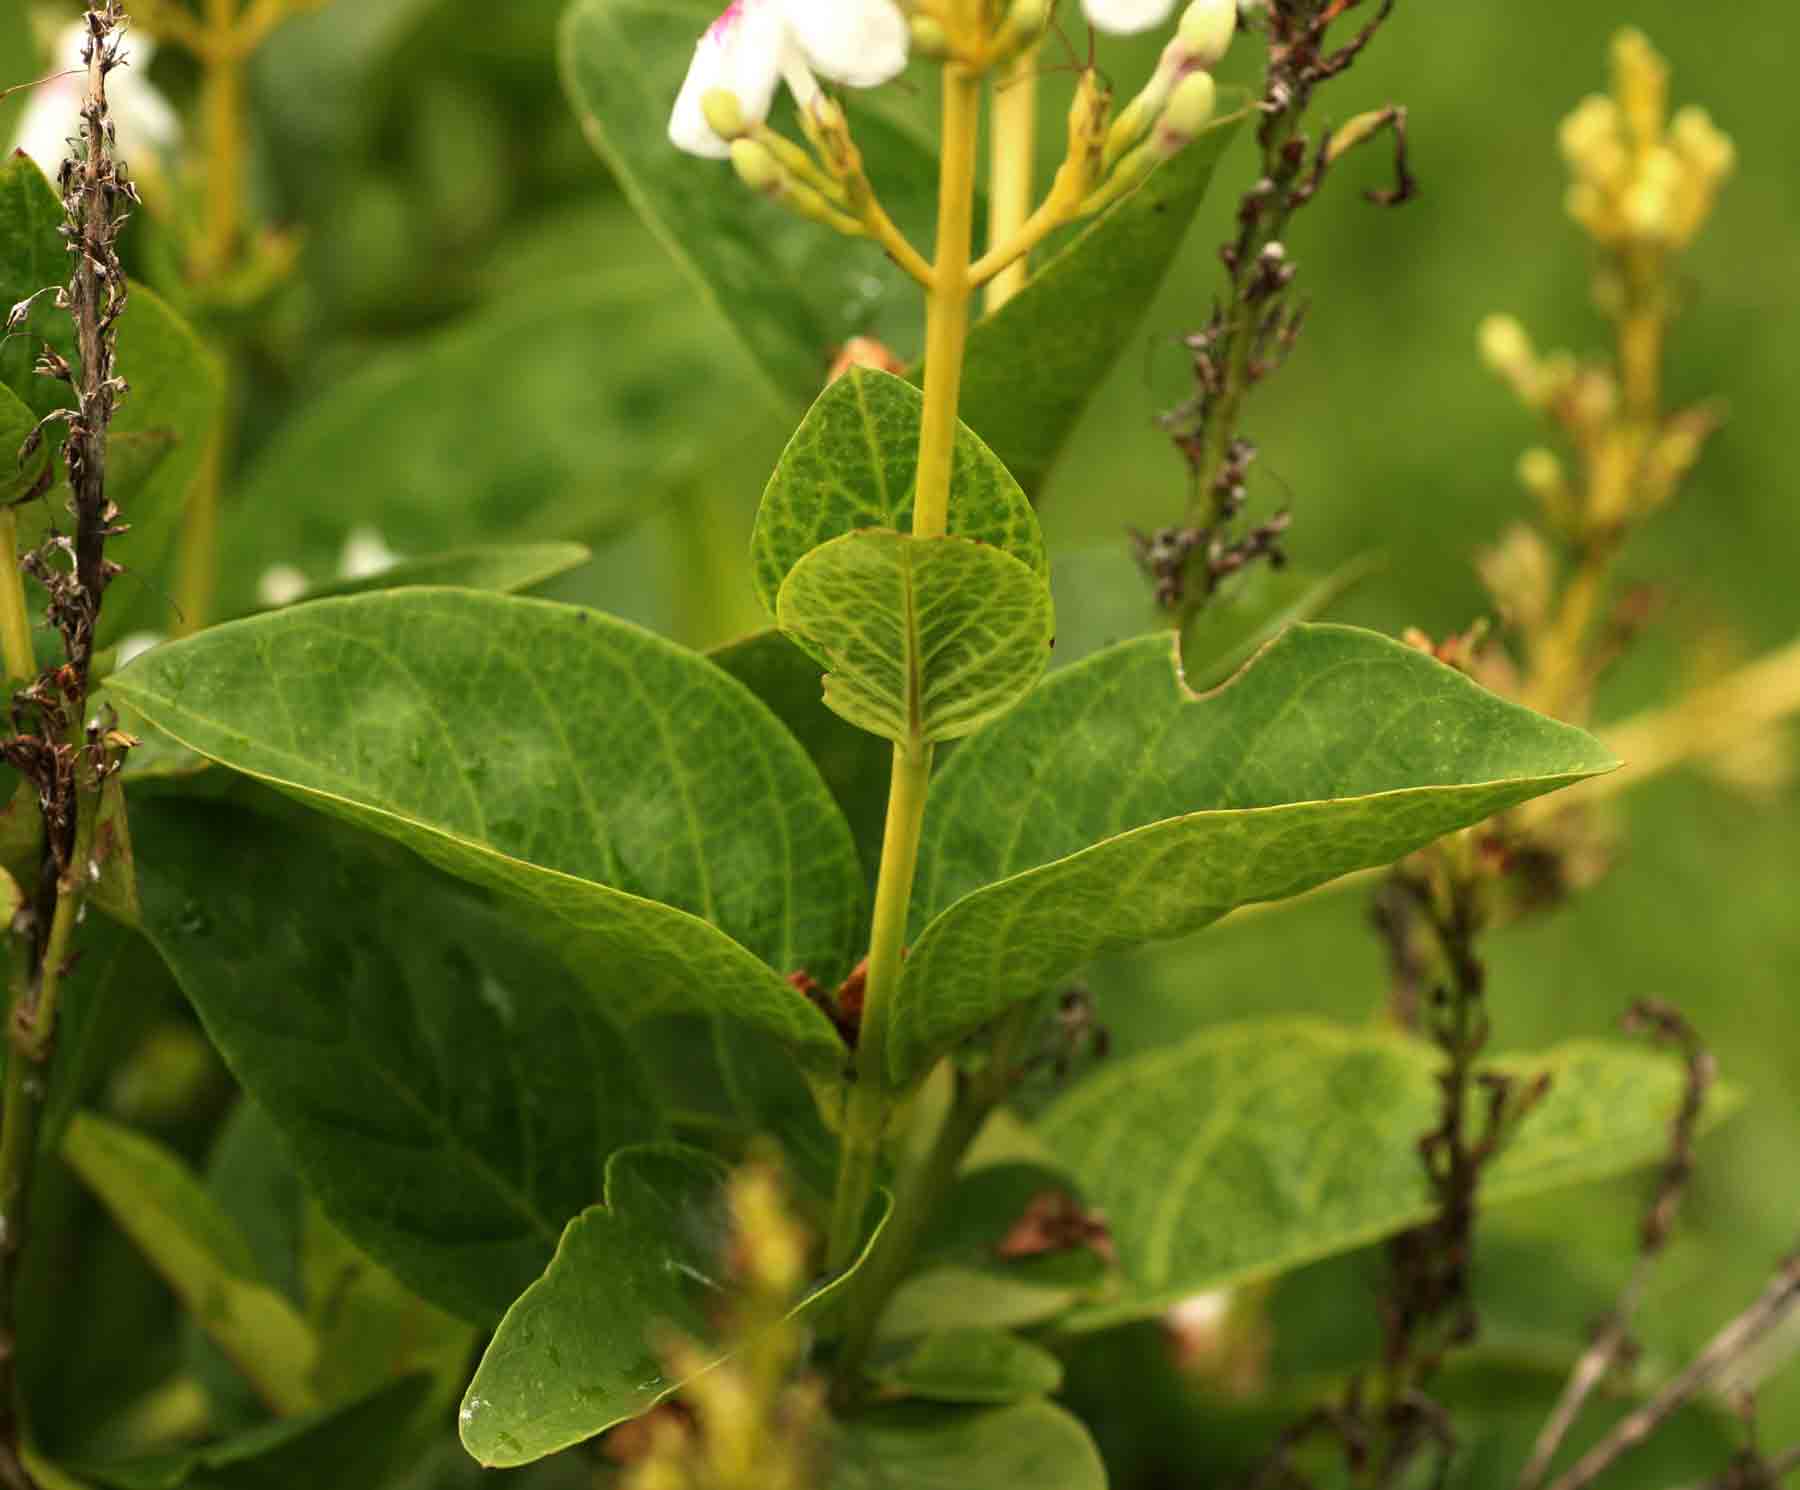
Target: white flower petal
741 53
858 42
1121 17
281 584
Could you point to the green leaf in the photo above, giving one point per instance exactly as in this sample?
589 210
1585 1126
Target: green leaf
16 421
19 63
918 1446
855 764
578 1352
450 1094
984 1210
1299 1140
202 1256
504 427
793 291
665 825
358 1445
163 426
972 1365
926 638
505 569
1033 364
1115 808
853 463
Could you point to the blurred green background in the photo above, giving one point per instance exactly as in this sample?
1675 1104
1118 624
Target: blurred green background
450 211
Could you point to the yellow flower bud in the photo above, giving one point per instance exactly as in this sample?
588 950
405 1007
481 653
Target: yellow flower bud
724 113
1641 84
757 167
1506 348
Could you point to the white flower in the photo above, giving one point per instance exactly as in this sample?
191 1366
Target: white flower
281 584
756 43
1121 17
142 116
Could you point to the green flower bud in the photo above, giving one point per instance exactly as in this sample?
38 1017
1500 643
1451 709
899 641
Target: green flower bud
1207 27
758 168
1190 109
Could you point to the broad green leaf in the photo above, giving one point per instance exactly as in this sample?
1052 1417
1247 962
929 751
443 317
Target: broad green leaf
165 1210
972 1365
359 1445
450 1094
792 290
663 823
1299 1139
556 412
926 639
578 1352
503 568
985 1210
920 1446
855 764
1115 808
163 426
853 463
1033 365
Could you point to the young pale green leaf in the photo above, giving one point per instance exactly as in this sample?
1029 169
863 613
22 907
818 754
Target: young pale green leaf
1115 808
579 1351
855 764
662 820
507 426
922 1446
450 1094
166 1211
972 1365
505 568
163 426
1298 1139
853 463
794 291
1034 363
16 420
359 1445
926 639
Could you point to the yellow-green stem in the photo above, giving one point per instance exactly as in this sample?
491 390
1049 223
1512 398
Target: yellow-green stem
946 333
222 105
865 1120
15 617
947 305
1011 170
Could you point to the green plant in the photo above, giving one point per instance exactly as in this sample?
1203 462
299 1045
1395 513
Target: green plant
633 1041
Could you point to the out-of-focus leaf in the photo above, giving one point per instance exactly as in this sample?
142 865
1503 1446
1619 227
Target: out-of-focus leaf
672 831
19 63
503 568
449 1094
359 1445
972 1365
1034 363
918 1446
925 639
1114 807
1297 1139
793 291
578 1352
203 1257
853 463
555 413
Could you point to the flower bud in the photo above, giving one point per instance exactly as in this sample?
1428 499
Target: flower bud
1357 131
1206 30
929 38
724 114
1541 474
1190 109
757 167
1506 348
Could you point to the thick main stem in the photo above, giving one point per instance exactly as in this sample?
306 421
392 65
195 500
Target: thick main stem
1011 163
946 334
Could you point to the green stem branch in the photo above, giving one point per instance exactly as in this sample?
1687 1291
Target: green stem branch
946 334
15 616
